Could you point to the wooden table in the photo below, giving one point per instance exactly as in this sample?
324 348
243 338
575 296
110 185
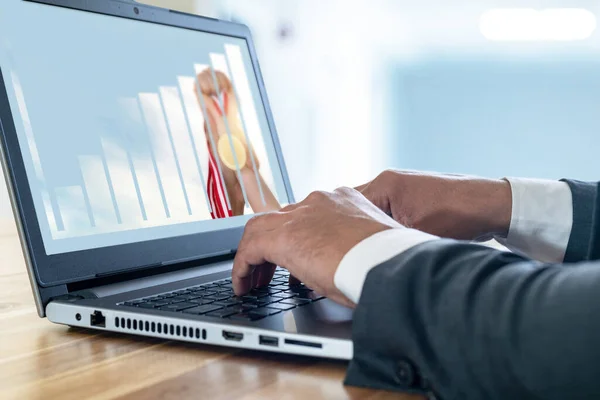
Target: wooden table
41 360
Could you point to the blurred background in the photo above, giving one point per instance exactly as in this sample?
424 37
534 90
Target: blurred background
489 87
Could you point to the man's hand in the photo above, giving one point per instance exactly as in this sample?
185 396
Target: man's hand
309 239
452 206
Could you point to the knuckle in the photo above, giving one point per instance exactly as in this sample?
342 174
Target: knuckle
387 174
344 190
253 223
317 195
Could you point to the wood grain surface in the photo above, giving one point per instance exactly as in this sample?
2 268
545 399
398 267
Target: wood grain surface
40 360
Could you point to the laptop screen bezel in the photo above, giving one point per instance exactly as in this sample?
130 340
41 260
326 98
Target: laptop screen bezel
60 269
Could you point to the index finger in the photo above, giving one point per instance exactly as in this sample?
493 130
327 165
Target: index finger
257 250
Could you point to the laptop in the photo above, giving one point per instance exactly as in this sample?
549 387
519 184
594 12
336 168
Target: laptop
136 143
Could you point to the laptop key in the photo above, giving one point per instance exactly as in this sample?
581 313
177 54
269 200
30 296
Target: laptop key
300 288
246 316
160 303
145 305
187 297
229 302
217 297
256 303
178 306
264 312
242 308
296 302
273 291
210 286
270 299
202 301
222 313
257 294
309 296
283 295
202 309
280 306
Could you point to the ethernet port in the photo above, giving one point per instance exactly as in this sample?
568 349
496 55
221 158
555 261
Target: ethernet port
97 319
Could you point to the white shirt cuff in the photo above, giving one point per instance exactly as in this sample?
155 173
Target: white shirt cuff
372 251
542 219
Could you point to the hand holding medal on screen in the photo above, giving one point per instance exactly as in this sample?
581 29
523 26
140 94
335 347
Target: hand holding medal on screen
221 102
226 140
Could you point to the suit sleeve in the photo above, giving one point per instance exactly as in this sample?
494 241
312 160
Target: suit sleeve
586 207
462 321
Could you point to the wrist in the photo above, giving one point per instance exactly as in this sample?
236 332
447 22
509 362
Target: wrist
499 207
490 206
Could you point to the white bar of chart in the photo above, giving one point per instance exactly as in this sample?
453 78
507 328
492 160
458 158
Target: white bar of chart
163 153
184 151
73 210
49 211
123 182
143 165
195 118
248 109
98 190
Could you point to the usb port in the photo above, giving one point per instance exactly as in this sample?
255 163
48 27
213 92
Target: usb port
268 341
235 336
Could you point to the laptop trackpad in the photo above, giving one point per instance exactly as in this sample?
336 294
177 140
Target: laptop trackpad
322 318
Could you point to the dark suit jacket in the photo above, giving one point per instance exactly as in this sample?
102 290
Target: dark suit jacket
462 321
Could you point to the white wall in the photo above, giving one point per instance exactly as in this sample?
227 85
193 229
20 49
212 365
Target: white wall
322 85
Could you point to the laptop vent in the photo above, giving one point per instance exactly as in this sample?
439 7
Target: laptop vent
159 328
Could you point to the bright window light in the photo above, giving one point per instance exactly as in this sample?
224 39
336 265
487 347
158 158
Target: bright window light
527 24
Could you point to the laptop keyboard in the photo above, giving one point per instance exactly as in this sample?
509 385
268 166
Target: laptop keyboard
217 299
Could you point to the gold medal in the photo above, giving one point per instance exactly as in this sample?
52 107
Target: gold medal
228 157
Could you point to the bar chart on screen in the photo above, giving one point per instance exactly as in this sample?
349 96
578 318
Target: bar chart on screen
152 167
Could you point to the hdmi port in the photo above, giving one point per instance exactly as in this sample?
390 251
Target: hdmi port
236 337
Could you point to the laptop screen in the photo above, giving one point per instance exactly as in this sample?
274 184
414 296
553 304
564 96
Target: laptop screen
132 131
